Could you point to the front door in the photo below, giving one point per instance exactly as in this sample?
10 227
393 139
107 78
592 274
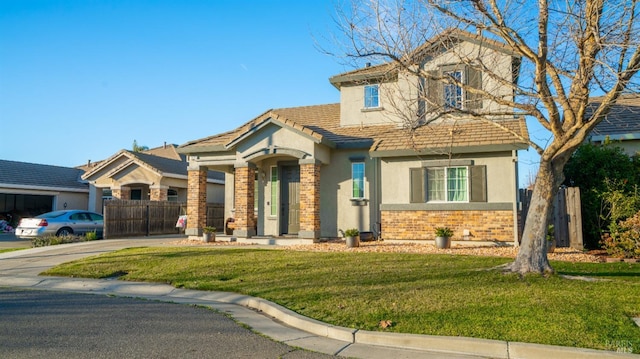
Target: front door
290 209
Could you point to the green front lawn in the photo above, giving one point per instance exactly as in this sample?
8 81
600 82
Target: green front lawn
419 293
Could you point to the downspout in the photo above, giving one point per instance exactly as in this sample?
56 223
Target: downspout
377 195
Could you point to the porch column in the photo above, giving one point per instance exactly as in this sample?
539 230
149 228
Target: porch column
121 192
196 201
159 193
309 199
244 198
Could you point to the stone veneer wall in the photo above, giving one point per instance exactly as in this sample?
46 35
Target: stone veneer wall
486 225
244 200
310 200
196 201
121 193
159 194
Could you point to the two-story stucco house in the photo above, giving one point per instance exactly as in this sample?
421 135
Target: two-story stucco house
316 170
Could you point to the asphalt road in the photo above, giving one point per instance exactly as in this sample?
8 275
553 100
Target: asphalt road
44 324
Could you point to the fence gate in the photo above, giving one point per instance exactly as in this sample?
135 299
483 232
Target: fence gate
567 216
144 218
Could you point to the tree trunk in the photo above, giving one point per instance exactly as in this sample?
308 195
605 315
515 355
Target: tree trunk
532 254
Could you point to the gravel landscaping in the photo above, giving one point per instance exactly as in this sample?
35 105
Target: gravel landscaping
560 254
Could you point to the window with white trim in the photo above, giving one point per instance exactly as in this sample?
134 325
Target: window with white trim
274 191
371 99
357 179
453 91
448 184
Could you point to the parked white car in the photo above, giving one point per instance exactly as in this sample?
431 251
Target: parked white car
61 223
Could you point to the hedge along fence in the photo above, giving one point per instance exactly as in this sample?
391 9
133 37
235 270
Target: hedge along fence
145 218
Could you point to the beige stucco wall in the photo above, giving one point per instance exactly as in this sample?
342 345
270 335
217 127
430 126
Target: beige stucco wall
337 210
73 200
501 175
273 135
398 98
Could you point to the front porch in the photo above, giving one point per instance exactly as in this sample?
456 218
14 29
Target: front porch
269 197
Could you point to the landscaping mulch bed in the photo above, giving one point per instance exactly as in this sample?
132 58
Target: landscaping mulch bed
560 254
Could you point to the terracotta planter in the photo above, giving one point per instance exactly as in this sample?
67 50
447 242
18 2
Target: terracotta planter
443 242
353 242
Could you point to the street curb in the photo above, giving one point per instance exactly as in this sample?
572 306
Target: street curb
451 345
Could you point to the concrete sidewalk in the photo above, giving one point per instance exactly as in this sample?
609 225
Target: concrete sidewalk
20 269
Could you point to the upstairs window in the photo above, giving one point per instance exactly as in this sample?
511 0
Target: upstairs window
447 89
357 179
453 91
371 99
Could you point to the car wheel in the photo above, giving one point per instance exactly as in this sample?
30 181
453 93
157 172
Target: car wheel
65 231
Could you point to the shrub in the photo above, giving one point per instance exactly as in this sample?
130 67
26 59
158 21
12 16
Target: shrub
598 171
624 239
209 229
91 236
51 240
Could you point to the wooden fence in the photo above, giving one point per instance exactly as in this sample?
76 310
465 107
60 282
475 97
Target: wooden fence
144 218
567 216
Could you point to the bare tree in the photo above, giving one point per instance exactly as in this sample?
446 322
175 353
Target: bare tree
569 51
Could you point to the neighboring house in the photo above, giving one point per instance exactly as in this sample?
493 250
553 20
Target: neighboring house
315 171
620 125
29 189
158 174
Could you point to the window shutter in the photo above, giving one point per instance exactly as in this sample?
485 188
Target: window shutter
417 185
435 97
478 183
474 79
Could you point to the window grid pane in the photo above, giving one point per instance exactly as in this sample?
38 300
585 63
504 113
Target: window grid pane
453 92
436 184
357 176
457 184
371 96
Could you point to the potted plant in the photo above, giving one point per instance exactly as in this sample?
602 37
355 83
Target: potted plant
209 234
443 237
352 237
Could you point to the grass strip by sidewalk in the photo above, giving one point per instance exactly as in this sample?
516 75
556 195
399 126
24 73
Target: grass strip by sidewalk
422 294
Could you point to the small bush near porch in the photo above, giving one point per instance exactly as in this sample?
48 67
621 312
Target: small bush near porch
435 294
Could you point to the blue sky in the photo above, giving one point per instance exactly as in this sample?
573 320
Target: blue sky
82 79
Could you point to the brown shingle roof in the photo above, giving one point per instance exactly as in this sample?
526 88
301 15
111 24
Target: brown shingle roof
623 117
322 122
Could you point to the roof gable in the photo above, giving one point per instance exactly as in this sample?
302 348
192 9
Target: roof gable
447 39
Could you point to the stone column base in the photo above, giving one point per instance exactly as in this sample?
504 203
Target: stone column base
309 234
242 233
